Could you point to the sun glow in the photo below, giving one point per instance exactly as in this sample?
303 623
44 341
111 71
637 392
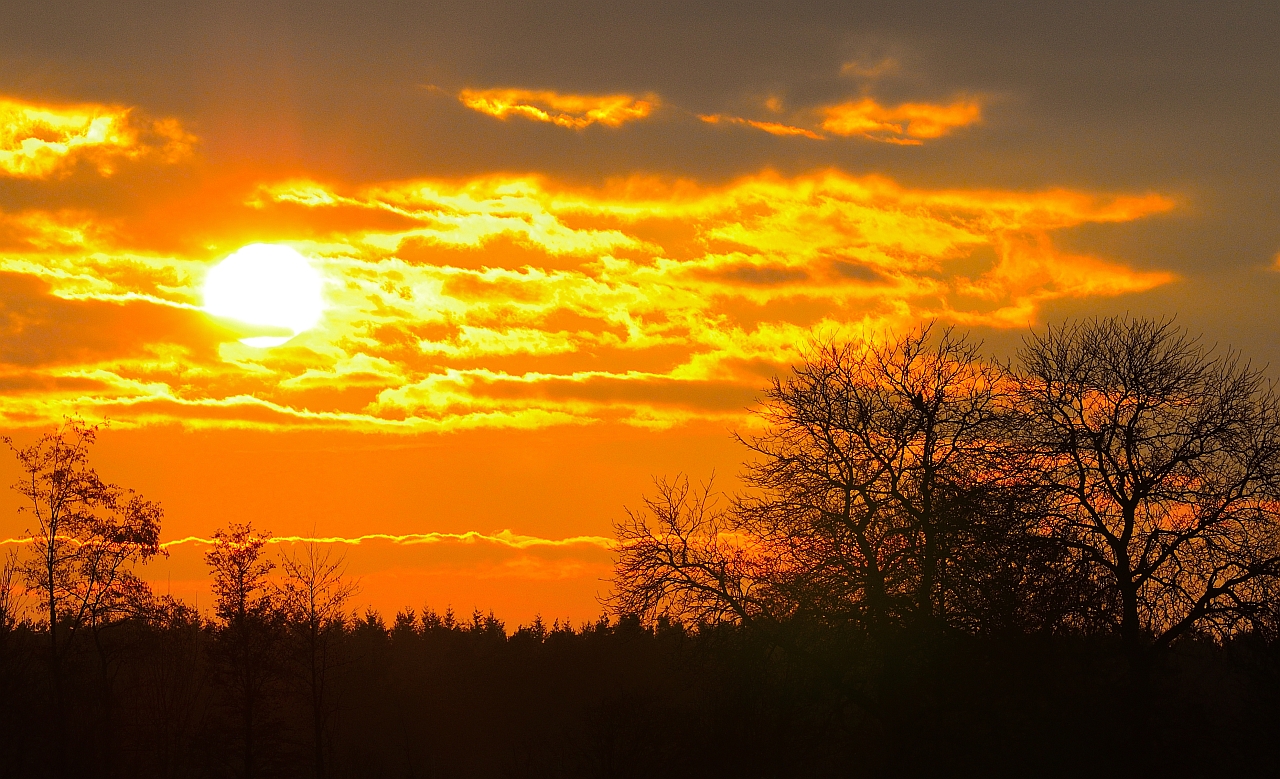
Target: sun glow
524 301
268 285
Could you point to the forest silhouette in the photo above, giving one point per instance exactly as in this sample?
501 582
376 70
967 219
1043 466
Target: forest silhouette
938 563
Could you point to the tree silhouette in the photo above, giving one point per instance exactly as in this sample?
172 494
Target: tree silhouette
1160 460
1044 532
680 556
10 606
874 462
247 627
312 597
88 535
869 464
14 674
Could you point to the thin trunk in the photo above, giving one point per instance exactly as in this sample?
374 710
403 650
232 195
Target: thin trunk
55 668
317 700
930 562
1131 629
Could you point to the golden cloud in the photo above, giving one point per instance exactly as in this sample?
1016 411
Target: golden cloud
906 123
773 128
522 302
37 141
566 110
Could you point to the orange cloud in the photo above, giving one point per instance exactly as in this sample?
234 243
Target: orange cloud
522 302
906 123
773 128
37 141
564 110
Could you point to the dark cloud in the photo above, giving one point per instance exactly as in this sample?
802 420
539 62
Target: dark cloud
757 275
852 270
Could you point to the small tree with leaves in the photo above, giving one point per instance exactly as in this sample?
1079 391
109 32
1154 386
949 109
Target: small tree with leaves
247 629
88 536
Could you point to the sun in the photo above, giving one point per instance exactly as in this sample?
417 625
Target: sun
266 284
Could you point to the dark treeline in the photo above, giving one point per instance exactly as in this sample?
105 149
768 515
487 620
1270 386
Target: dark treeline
428 696
938 564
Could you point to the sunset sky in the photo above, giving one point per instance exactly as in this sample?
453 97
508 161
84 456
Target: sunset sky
562 246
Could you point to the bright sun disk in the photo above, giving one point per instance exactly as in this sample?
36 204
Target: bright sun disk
269 285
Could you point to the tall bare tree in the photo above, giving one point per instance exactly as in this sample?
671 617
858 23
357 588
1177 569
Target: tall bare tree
1160 458
873 462
868 466
312 595
88 536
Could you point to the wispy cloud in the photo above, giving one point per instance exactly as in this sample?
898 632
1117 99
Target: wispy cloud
905 123
773 128
504 538
565 110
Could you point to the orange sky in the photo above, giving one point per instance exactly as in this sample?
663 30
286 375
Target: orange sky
513 345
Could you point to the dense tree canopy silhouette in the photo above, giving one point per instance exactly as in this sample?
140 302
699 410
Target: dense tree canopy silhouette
681 556
879 468
870 464
1160 465
1119 478
865 453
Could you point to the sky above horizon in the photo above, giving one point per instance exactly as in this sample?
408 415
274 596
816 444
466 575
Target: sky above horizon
564 245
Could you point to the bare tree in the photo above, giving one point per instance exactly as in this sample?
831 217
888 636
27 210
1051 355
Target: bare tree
1160 458
875 462
10 598
313 595
868 467
681 557
88 535
247 616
